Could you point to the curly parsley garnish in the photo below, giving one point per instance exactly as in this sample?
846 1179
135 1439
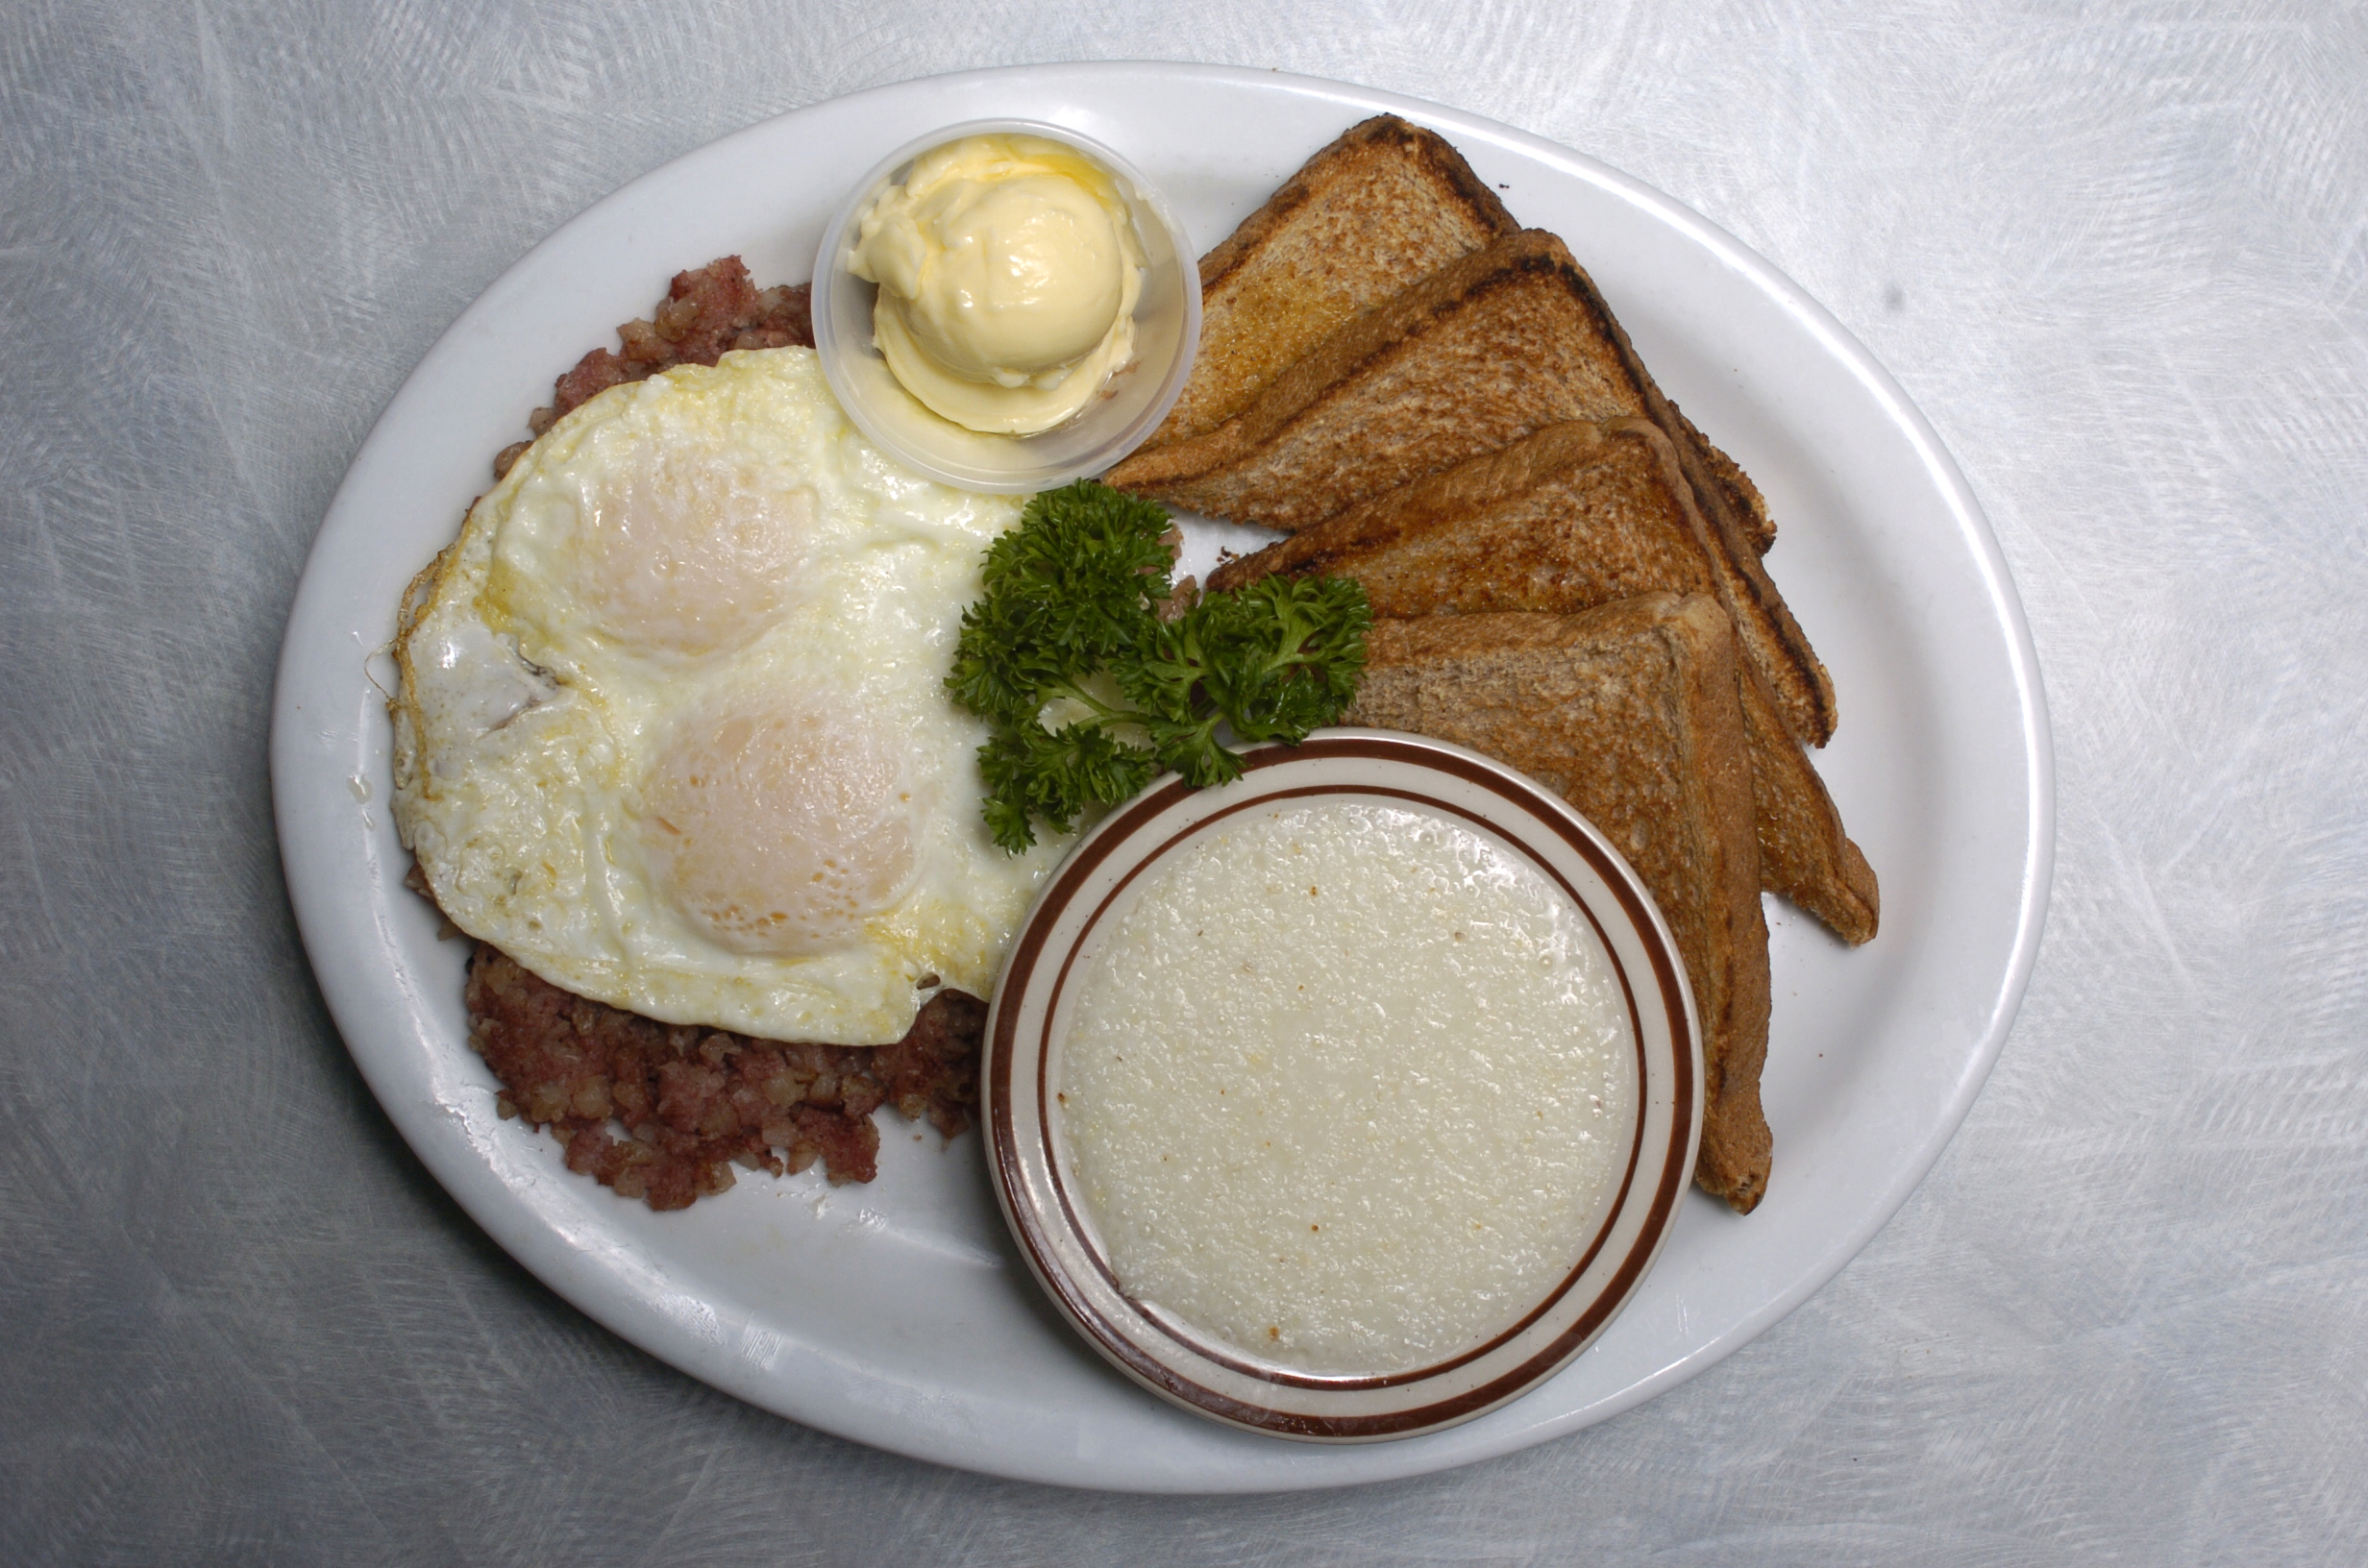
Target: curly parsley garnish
1071 618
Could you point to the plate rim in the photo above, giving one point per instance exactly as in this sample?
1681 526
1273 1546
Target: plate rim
298 796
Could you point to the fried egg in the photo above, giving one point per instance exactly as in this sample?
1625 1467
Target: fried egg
673 730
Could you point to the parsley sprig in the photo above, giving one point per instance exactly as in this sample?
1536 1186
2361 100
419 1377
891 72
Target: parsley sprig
1071 617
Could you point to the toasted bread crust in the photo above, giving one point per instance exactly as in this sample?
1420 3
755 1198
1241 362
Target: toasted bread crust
1480 354
1630 712
1805 855
1742 495
1573 517
1741 529
1385 204
1446 370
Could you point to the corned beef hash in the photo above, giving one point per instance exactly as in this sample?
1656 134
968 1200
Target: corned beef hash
672 740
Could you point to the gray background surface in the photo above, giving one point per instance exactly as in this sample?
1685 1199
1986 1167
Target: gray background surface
2117 253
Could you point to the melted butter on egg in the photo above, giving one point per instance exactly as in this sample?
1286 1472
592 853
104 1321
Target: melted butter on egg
672 729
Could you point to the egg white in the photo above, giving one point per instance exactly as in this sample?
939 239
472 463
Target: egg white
672 729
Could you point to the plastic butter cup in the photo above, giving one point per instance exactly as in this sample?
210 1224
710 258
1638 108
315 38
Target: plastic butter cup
1130 404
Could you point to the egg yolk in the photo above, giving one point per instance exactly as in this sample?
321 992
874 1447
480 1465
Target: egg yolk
778 832
688 554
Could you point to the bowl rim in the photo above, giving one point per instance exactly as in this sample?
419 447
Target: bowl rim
1220 1381
1145 200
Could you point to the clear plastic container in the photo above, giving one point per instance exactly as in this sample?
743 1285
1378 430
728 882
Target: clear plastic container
1135 399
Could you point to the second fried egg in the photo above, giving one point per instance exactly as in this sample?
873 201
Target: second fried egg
673 732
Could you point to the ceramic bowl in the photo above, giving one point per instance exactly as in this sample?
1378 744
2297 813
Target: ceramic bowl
1033 1175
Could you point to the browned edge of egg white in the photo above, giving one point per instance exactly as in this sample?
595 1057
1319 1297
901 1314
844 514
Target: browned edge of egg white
1001 1048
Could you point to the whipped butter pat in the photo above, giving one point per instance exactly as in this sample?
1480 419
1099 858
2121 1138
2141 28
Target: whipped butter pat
1008 269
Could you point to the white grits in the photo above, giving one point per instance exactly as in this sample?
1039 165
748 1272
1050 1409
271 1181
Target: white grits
1347 1086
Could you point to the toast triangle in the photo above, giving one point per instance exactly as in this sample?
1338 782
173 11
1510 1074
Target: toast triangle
1575 516
1384 205
1475 357
1629 712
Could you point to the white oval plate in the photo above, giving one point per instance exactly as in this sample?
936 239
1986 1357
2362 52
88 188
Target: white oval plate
1090 891
898 1314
